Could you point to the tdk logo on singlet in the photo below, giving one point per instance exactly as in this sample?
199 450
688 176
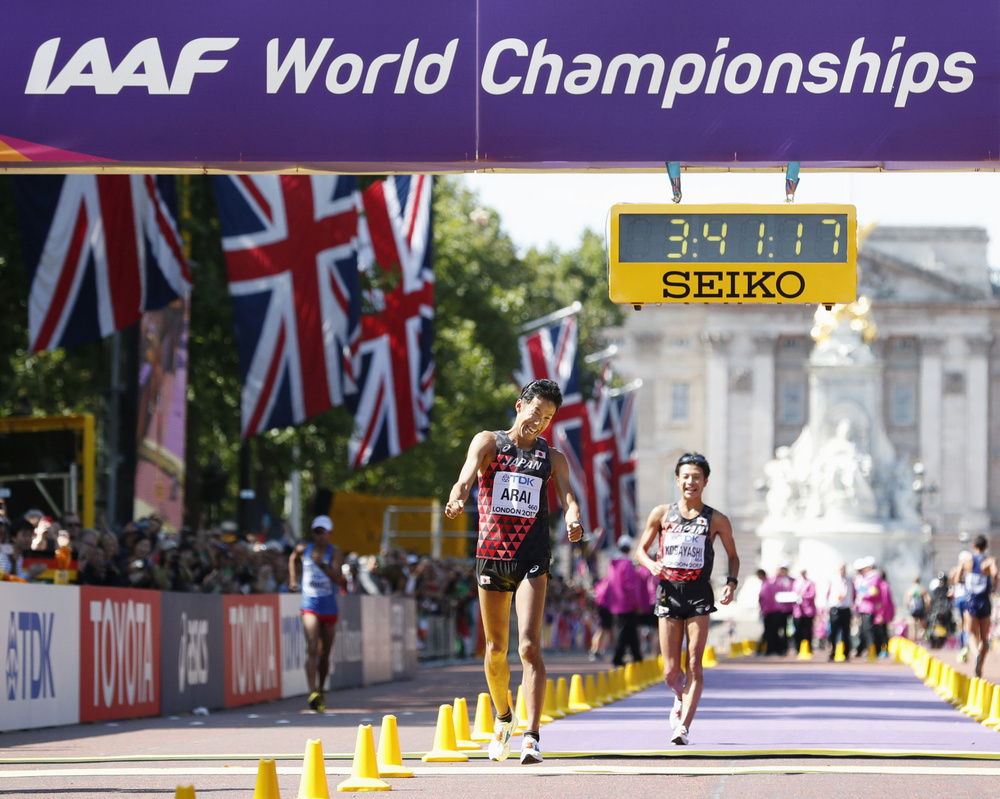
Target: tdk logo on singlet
513 492
29 662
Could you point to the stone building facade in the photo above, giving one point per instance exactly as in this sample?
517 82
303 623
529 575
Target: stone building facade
730 381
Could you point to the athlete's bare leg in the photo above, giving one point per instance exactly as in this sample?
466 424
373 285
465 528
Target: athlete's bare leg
494 607
326 635
697 635
311 627
980 629
671 641
530 604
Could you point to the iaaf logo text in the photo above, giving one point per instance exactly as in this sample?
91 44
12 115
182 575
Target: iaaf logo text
29 662
192 654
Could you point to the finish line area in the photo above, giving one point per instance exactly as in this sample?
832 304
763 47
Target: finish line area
764 724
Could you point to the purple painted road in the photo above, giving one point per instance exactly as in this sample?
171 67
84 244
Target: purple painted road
766 727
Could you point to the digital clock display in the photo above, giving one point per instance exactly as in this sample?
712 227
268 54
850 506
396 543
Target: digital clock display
733 253
734 238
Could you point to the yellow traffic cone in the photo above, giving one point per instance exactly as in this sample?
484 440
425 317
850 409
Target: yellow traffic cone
590 691
389 757
445 747
562 697
267 781
974 700
550 708
708 660
184 792
364 771
623 688
577 698
463 735
839 656
631 680
985 701
601 689
805 651
993 719
482 727
313 783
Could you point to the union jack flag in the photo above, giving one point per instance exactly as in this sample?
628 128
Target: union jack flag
623 425
100 250
395 391
549 353
292 259
602 456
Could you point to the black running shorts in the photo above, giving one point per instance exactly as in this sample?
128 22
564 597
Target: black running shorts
506 575
684 600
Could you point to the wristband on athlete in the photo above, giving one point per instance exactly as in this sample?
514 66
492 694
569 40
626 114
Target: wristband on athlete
732 580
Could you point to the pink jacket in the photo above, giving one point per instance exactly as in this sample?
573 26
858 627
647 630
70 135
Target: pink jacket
806 589
867 594
626 592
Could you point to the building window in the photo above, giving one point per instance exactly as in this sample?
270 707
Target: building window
903 406
791 404
680 403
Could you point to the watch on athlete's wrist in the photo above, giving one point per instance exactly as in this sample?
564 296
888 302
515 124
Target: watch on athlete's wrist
732 580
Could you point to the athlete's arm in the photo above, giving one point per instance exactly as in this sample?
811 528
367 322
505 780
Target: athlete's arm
724 531
564 490
653 523
294 564
334 568
482 450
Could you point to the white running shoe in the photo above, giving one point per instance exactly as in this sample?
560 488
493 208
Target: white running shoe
675 714
530 753
499 748
680 736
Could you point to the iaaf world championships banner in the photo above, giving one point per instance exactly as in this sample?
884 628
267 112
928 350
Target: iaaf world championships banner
444 85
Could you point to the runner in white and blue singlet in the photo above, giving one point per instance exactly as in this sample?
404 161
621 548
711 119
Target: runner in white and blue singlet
317 565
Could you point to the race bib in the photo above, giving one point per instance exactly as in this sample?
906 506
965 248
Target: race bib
976 583
516 494
683 551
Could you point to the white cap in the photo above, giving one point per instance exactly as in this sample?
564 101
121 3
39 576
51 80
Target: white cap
322 521
625 542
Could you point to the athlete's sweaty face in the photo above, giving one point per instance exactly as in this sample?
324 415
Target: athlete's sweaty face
533 416
691 481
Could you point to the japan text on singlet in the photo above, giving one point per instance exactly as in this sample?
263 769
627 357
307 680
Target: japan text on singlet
686 550
513 502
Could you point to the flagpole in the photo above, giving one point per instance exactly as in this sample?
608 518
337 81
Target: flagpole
555 316
607 352
617 392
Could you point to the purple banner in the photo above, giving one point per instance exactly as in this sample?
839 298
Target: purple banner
423 86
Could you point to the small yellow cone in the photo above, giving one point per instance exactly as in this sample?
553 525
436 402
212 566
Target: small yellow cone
986 701
364 772
993 718
390 758
805 652
590 691
839 656
708 659
577 698
521 710
463 735
313 783
550 708
445 747
267 781
562 697
602 689
184 792
482 727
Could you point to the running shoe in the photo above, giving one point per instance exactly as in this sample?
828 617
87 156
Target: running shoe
314 699
321 703
963 654
530 753
680 736
675 714
499 748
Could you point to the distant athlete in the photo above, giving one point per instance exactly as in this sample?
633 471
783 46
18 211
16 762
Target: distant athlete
317 566
978 574
686 531
513 555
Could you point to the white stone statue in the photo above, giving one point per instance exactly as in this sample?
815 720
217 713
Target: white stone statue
841 472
